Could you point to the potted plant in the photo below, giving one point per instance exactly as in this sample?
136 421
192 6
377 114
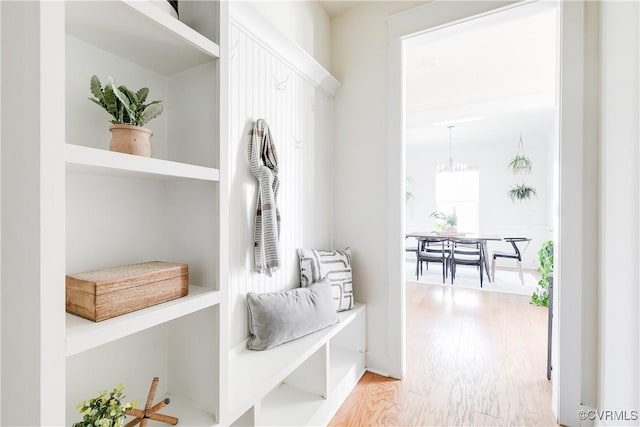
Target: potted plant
445 222
130 113
521 192
105 410
521 164
545 256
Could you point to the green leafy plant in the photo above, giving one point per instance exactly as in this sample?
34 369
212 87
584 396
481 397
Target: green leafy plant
521 164
444 221
105 410
545 256
125 106
521 192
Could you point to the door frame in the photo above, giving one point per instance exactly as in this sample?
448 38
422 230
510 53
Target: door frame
568 343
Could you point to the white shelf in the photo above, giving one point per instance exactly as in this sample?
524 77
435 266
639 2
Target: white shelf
83 334
102 162
346 366
253 374
188 413
139 32
289 406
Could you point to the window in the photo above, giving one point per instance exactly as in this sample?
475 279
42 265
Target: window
460 191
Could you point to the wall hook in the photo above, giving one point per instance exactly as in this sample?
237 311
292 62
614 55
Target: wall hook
280 86
233 49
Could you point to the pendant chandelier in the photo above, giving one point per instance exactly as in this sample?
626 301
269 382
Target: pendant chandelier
451 166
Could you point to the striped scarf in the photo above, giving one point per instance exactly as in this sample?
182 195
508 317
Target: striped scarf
263 162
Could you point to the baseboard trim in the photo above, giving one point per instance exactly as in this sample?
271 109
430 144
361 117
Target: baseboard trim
377 372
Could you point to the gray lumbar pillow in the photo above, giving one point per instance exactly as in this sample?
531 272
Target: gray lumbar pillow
279 317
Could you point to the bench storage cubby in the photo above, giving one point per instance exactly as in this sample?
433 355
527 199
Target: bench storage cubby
302 382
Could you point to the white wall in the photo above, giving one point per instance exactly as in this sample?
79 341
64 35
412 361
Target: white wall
0 215
299 116
359 61
304 22
498 213
618 299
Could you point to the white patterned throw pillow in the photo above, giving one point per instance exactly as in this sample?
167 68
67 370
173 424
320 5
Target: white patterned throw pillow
316 265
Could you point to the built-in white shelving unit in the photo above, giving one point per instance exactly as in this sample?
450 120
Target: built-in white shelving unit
164 208
97 209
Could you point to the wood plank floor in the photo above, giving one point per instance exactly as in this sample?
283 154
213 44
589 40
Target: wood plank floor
474 358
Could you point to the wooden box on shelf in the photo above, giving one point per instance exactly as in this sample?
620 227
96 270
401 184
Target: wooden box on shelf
103 294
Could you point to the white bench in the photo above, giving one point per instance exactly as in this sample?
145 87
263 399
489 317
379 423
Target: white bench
302 382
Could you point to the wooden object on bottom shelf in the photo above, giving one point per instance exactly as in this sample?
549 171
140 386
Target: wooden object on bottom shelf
150 412
103 294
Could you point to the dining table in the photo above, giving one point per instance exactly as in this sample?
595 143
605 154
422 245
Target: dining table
482 237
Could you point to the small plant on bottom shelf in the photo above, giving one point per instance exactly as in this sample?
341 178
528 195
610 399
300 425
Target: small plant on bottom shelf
105 410
545 256
125 106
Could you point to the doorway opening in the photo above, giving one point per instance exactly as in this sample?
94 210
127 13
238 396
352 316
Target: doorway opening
481 136
472 92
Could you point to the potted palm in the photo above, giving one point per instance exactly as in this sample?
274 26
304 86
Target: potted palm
130 112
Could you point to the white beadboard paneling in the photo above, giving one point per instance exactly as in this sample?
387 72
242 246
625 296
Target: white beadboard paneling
262 85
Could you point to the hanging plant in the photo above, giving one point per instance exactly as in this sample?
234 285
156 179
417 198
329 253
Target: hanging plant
521 165
521 192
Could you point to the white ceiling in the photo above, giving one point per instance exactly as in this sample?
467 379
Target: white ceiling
500 70
336 7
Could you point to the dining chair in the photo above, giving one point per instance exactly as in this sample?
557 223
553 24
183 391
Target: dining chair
433 249
466 252
516 254
411 249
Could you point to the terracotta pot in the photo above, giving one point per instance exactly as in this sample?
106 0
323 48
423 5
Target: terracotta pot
131 140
